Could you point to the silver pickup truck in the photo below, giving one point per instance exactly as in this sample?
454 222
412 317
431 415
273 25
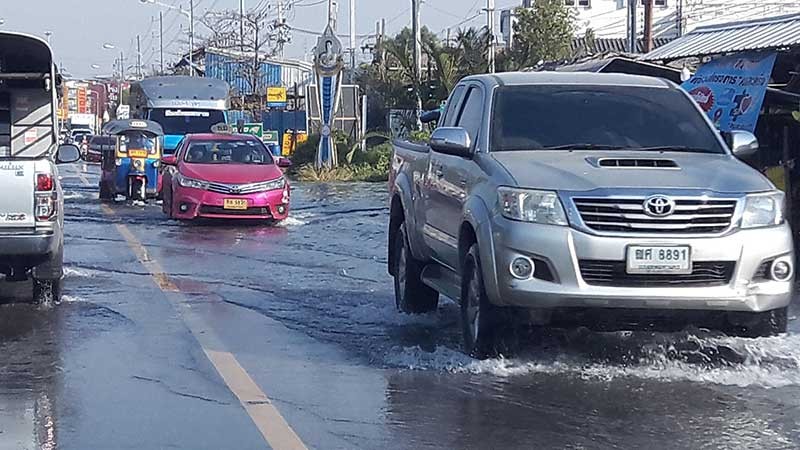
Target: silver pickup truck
31 201
550 195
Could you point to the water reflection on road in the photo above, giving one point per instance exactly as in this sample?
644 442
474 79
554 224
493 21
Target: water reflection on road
322 276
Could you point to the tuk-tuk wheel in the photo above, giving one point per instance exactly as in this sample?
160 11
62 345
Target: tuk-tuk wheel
105 192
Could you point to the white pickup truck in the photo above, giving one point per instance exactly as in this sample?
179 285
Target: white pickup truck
31 200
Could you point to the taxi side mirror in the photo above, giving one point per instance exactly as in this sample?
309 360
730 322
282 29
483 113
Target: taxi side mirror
284 162
169 160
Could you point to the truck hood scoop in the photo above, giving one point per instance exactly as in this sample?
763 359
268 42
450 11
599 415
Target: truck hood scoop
633 163
581 171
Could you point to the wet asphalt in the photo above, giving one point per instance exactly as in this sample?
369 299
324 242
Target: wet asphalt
307 310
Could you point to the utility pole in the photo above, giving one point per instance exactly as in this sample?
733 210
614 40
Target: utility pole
632 26
138 57
352 40
161 40
490 28
648 26
333 13
191 37
241 24
417 31
281 28
679 26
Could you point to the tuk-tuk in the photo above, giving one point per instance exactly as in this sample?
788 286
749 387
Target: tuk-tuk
131 167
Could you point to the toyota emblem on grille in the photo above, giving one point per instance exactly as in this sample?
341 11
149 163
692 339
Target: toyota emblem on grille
235 190
659 206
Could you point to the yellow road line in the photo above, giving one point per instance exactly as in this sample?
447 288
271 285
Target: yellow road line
266 417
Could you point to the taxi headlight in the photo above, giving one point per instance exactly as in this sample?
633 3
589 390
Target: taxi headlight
191 183
275 184
763 210
528 205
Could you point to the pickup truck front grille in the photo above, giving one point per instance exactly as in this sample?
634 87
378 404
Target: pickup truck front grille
627 215
614 274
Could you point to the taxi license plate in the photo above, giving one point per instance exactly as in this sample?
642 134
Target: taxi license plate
644 259
235 203
137 153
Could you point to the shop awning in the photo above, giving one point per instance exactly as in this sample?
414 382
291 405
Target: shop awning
761 34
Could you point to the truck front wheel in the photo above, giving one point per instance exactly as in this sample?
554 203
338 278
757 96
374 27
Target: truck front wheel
411 294
481 321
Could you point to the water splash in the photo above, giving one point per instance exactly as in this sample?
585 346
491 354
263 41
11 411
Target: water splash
768 362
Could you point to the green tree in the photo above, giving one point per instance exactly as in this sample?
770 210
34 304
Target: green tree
543 32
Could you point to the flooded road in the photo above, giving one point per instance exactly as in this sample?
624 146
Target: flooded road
164 323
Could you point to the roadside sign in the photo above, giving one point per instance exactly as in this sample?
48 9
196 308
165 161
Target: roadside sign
270 137
292 140
256 129
276 97
123 112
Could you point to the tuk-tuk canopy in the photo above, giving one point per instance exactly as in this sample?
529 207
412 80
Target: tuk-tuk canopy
116 127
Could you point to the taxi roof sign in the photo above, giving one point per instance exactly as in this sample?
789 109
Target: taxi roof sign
138 124
222 128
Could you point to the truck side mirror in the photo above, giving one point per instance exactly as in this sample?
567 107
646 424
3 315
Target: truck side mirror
67 153
452 141
743 144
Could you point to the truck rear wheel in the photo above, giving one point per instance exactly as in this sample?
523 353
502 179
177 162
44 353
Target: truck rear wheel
47 292
411 294
481 321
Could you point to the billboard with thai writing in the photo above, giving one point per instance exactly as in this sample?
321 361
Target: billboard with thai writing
731 89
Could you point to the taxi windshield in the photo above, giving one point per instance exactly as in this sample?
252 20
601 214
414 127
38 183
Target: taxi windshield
228 152
137 140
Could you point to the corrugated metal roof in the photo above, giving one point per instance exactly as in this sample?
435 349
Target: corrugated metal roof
761 34
612 45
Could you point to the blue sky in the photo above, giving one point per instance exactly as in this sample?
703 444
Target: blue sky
80 27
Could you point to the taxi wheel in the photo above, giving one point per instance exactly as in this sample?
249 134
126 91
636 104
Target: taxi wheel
166 204
412 296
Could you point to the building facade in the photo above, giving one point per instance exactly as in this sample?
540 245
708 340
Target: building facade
671 18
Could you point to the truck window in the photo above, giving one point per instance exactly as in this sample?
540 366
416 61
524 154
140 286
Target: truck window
471 116
455 102
538 117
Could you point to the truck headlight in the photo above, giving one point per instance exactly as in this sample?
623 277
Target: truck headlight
763 210
191 183
528 205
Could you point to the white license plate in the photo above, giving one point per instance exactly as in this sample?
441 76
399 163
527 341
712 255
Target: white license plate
646 259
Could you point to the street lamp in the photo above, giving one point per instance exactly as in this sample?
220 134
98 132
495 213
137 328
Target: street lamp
190 15
95 66
47 35
2 21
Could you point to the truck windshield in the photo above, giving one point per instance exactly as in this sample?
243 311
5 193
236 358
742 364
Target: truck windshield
598 118
186 121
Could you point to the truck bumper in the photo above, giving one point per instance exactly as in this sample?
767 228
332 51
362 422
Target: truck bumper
564 250
32 244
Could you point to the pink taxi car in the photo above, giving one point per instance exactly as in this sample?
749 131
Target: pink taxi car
226 177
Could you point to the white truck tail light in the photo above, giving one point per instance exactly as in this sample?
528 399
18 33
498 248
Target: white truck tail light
45 198
44 182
